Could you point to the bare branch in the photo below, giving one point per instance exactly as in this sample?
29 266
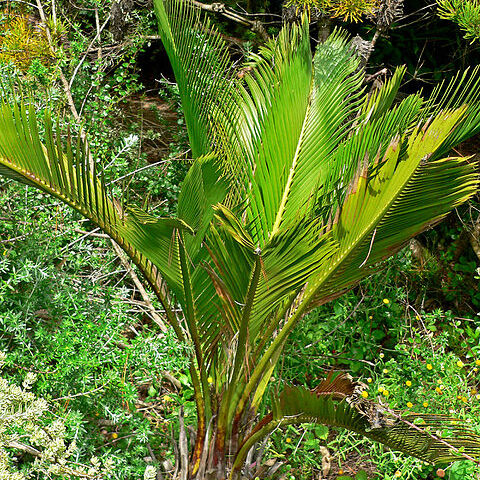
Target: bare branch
151 309
255 25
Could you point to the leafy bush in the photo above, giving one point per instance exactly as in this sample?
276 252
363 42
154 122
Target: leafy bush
64 316
28 426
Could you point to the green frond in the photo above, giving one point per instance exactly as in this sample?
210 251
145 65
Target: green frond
150 242
231 224
461 91
334 98
395 198
289 118
432 438
379 101
220 283
367 143
393 201
202 188
288 261
201 65
275 123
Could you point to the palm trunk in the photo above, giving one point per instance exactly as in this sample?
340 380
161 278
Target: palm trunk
217 452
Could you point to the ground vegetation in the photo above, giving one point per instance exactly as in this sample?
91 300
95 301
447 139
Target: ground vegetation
74 312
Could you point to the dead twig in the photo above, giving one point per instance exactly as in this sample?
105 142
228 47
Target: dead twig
255 25
66 85
151 309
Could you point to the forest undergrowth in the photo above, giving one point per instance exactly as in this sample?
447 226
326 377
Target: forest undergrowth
74 313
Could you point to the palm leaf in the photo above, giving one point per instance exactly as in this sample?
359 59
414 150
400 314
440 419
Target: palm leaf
220 277
289 259
367 143
149 241
379 101
276 124
461 91
202 188
432 438
334 96
201 65
394 201
288 119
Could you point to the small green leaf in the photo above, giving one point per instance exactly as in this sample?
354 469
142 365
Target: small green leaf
361 475
152 391
321 431
312 444
378 334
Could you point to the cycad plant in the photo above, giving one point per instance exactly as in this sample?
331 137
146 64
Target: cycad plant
301 184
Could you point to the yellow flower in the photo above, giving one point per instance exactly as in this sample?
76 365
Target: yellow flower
114 435
340 472
477 363
409 404
438 390
439 381
369 380
425 404
459 397
477 396
386 301
386 393
398 473
209 379
364 394
460 364
408 383
370 317
417 317
380 389
464 399
385 371
473 391
288 440
475 369
429 366
381 355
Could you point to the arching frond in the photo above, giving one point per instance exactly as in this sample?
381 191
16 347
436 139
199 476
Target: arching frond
432 438
201 65
388 204
68 176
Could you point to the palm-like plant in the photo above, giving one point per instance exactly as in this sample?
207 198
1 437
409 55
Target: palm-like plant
301 185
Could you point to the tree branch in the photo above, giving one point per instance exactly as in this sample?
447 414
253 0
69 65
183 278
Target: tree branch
255 25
